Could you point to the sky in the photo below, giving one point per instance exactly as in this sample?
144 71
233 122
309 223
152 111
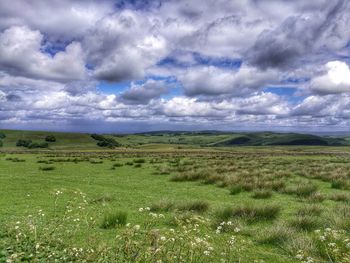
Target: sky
141 65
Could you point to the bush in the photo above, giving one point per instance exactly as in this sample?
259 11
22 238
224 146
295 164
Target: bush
2 135
50 138
114 219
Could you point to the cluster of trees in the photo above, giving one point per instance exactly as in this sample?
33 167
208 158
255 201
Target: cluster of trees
105 142
32 145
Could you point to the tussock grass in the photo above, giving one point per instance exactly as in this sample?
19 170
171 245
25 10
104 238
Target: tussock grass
276 235
195 206
305 222
303 189
310 210
190 206
250 213
105 198
235 189
114 219
339 184
262 194
316 197
162 206
340 197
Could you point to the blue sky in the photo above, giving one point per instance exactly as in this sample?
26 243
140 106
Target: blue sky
130 66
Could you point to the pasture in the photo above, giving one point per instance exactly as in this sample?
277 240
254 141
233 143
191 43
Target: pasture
240 205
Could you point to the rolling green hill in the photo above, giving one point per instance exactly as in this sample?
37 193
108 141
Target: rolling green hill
168 139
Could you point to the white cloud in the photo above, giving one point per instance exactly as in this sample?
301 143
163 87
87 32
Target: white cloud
21 55
211 80
335 80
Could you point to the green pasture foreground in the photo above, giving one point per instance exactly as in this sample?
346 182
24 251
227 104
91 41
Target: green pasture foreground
214 183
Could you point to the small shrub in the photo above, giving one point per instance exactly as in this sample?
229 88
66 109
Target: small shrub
262 194
114 219
117 165
138 165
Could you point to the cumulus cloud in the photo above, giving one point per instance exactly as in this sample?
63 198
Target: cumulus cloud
215 81
143 93
21 55
114 61
335 80
123 45
301 36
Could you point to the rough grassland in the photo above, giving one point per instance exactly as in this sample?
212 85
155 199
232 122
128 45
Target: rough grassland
283 198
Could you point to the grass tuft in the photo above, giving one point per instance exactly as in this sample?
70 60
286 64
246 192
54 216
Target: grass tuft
114 219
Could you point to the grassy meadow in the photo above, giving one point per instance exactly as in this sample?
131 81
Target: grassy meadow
159 202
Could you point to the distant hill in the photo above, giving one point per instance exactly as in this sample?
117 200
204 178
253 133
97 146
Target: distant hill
269 139
166 139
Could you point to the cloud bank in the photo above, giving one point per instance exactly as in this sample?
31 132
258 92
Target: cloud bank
129 66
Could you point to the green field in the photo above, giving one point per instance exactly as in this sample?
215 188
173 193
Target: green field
153 201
